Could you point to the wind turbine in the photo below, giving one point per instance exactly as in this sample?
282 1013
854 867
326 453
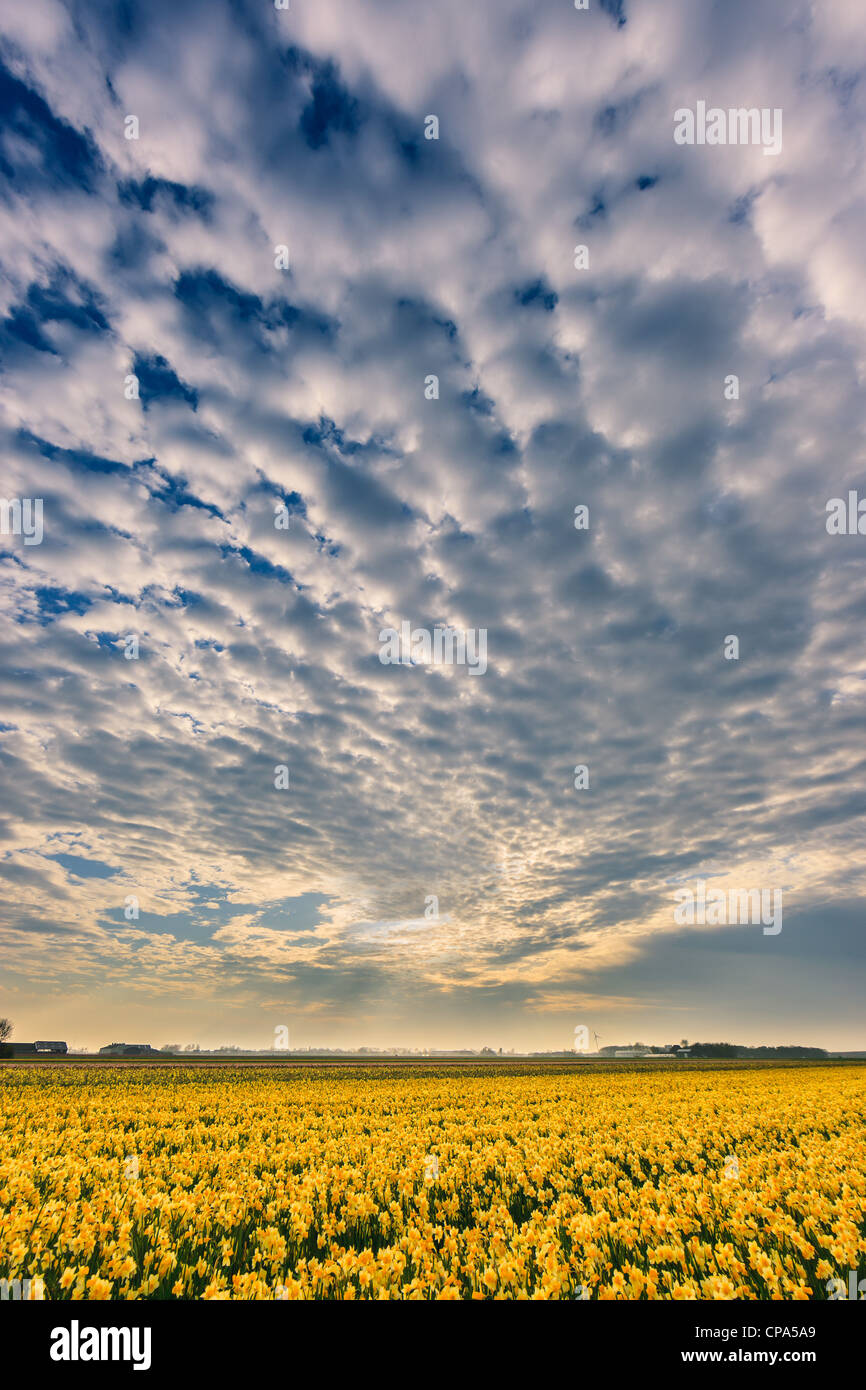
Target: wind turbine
595 1035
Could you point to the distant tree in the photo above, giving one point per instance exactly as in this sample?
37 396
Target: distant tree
708 1050
794 1051
5 1029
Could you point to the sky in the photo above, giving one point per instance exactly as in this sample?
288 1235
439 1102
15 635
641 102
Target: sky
285 371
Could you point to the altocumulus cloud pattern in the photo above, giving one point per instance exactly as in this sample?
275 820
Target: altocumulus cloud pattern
522 320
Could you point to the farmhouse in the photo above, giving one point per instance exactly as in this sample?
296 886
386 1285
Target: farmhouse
35 1049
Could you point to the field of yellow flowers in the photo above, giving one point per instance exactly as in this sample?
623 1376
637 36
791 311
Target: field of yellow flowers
285 1182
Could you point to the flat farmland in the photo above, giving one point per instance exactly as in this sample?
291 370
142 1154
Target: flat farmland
222 1180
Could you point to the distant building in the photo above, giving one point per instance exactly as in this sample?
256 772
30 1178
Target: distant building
118 1049
56 1047
23 1049
671 1051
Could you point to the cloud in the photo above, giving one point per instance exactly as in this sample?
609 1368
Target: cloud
305 387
